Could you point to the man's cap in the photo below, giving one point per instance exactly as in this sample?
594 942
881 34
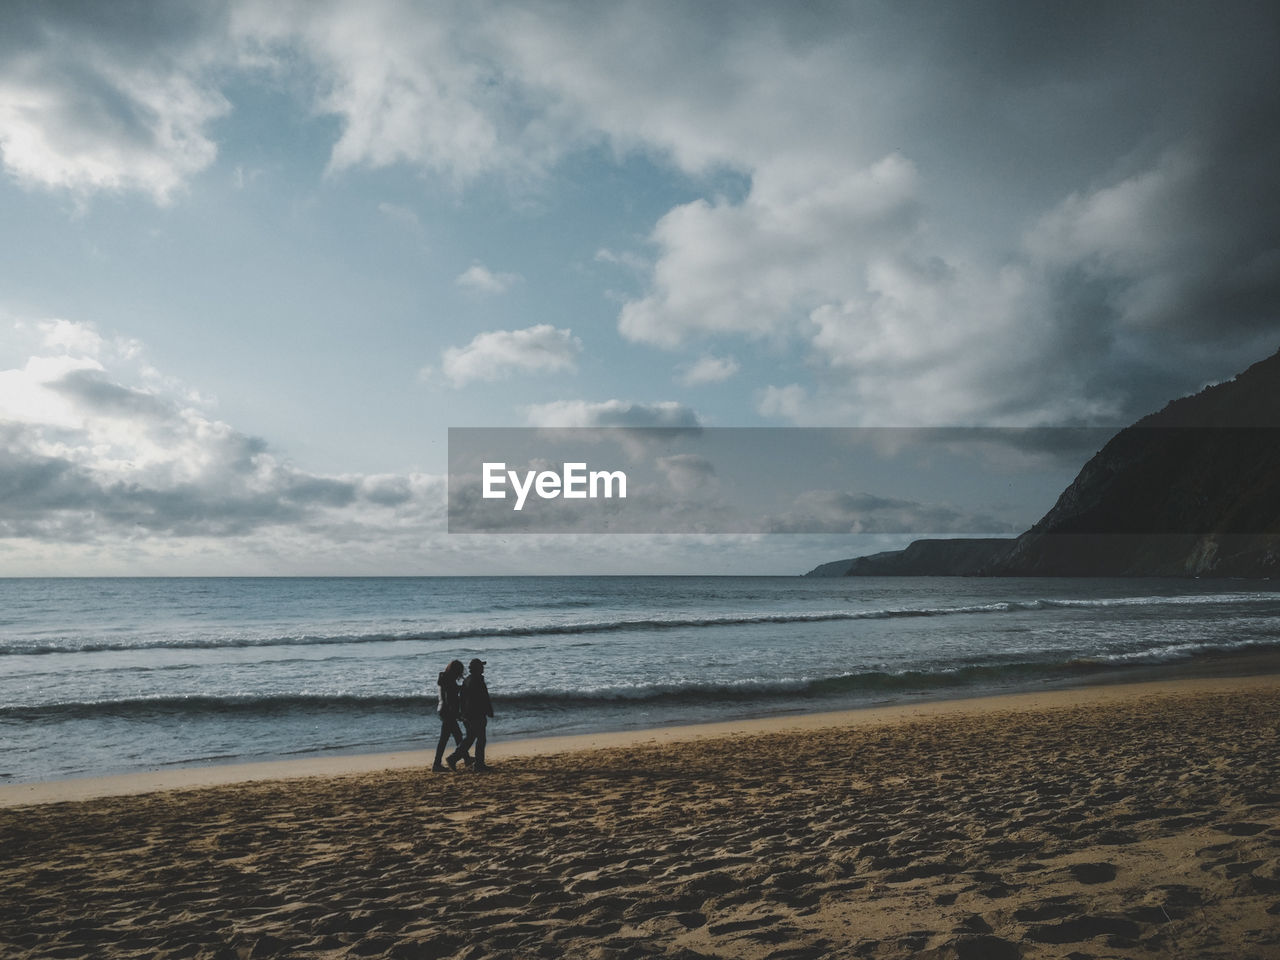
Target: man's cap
477 662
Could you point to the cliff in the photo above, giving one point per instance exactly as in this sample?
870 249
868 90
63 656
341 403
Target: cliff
923 558
1193 490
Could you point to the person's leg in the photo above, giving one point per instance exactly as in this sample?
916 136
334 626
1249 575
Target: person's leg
461 741
481 736
447 727
461 752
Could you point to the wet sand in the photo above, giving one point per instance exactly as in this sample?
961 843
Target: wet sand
1133 821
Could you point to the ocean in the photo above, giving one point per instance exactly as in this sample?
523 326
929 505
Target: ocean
115 675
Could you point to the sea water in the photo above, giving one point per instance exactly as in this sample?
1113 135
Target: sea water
115 675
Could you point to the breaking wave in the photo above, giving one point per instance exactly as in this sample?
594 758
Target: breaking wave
93 645
804 691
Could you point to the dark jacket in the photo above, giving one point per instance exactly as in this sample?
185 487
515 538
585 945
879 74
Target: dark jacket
475 697
449 704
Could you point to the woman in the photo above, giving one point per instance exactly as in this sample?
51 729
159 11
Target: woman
449 707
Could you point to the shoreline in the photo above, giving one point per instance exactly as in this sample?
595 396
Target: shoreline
328 766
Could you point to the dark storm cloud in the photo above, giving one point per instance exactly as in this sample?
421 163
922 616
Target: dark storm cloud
1180 104
1158 126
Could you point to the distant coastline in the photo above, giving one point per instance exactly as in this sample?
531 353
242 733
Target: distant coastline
1190 491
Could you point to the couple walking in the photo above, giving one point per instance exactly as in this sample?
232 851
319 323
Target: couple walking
466 700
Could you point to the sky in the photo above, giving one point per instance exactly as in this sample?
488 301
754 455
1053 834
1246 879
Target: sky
257 258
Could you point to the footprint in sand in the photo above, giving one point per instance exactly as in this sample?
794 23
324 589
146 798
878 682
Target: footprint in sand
1084 928
985 947
1093 872
1241 829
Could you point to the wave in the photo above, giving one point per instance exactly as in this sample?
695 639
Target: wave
611 626
250 704
847 686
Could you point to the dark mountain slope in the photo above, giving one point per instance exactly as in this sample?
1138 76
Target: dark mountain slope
1193 490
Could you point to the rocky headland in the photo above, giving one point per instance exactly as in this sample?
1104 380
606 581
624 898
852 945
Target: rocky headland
1190 491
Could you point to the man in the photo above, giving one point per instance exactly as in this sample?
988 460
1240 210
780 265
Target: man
477 708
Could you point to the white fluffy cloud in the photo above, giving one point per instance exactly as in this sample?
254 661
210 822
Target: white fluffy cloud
753 267
499 353
897 327
415 85
481 279
95 445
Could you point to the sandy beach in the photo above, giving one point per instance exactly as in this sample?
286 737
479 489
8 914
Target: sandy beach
1126 821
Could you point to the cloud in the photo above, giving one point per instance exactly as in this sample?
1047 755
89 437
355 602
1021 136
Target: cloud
481 279
1057 256
611 413
117 100
898 329
626 259
709 369
410 85
96 447
638 430
93 392
1159 246
921 186
66 336
990 213
499 353
755 268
